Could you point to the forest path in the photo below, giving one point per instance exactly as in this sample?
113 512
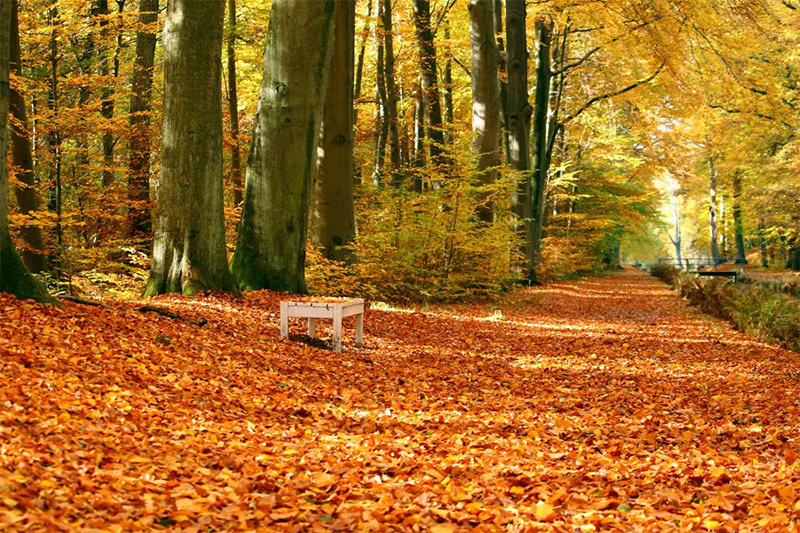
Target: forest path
600 404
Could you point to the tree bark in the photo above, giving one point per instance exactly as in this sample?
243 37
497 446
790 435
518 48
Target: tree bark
390 115
14 277
447 86
22 155
139 224
333 225
519 121
271 245
541 163
712 210
762 241
485 99
107 94
676 241
741 253
189 253
233 107
430 80
502 75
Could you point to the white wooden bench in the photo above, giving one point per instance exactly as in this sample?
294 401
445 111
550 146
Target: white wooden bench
334 310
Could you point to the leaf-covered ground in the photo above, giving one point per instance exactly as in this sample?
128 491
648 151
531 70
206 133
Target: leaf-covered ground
595 405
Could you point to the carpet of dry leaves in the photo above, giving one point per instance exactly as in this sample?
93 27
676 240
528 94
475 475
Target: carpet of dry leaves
604 404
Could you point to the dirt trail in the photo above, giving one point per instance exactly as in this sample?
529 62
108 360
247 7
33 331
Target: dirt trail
593 405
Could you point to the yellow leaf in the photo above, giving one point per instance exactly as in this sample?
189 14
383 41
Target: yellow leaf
544 511
517 490
443 528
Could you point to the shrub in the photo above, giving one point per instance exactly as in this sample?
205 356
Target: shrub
751 308
665 272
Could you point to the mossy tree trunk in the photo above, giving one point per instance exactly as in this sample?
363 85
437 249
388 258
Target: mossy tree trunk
333 225
189 253
271 244
14 277
22 153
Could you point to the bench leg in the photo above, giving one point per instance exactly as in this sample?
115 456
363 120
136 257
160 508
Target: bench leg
312 327
337 329
359 330
285 319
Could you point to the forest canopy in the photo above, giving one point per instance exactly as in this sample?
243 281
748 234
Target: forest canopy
395 149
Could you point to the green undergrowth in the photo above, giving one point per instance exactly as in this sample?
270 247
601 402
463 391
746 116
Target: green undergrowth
759 309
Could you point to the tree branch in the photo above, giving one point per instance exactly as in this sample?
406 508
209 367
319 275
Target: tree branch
606 96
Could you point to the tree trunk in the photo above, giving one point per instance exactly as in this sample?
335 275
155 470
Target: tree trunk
519 120
107 94
762 241
189 253
333 225
712 210
139 142
737 220
502 75
27 198
541 163
447 86
391 89
382 129
676 241
360 64
271 245
54 138
485 99
233 107
430 80
14 277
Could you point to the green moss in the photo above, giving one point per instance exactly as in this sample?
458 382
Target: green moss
15 278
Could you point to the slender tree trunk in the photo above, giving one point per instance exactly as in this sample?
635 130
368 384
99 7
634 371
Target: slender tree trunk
391 90
271 245
541 163
519 120
139 142
502 75
14 277
107 93
233 107
382 131
676 241
485 99
54 138
712 210
419 138
362 49
189 253
762 241
737 219
333 225
430 80
27 198
447 86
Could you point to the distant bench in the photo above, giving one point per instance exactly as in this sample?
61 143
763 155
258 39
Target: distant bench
713 274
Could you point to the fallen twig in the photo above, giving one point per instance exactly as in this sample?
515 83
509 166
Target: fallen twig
169 314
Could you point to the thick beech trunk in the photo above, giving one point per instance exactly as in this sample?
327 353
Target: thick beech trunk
139 141
712 210
333 225
189 253
430 80
233 107
518 123
737 219
14 277
22 155
271 245
541 159
485 98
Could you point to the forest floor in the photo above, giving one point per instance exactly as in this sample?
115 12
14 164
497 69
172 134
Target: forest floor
602 404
